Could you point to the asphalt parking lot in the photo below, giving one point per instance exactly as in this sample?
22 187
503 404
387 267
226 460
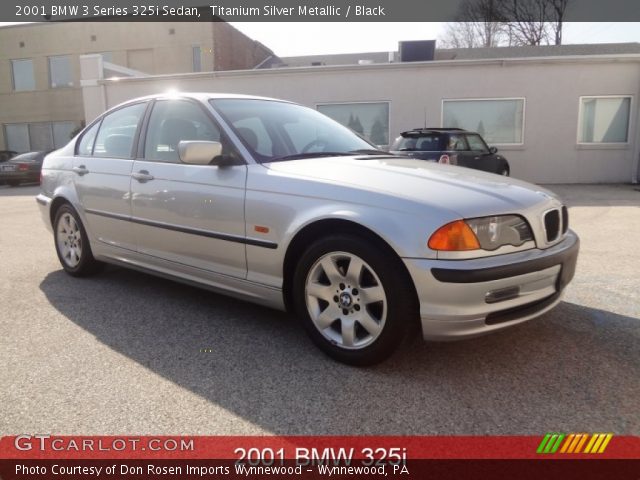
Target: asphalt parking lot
128 353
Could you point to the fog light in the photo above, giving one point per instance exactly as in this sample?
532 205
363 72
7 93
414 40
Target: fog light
502 294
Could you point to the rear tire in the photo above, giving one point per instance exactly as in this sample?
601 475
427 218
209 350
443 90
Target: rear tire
354 299
72 244
13 183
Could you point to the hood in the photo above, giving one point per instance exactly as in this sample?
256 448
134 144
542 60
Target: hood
468 193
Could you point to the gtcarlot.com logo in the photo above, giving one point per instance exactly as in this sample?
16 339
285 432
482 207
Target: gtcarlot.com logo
574 443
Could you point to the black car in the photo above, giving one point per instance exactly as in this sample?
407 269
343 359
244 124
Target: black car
24 168
453 146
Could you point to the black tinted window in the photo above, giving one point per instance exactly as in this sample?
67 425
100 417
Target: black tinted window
476 143
456 143
428 143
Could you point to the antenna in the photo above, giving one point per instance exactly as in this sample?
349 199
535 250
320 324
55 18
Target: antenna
425 117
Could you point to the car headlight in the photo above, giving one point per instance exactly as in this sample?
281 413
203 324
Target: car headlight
486 233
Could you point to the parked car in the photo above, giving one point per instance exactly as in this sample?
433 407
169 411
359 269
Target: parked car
23 168
453 146
274 203
6 155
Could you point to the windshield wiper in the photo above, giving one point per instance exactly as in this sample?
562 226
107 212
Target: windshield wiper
370 151
299 156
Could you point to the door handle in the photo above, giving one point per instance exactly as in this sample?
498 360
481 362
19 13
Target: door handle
142 176
477 158
81 170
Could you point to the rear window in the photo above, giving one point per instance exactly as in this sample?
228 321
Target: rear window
429 143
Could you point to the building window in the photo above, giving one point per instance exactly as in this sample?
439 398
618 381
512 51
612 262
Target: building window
499 121
604 119
17 137
197 59
62 133
27 137
23 78
60 73
370 120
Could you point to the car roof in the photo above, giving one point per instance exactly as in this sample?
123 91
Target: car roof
201 96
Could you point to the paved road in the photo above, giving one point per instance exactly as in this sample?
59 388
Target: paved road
121 352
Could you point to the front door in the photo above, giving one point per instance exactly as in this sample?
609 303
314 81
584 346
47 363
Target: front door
192 215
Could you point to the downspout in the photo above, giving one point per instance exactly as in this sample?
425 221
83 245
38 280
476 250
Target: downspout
635 172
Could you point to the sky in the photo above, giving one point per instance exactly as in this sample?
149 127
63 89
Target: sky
307 38
317 38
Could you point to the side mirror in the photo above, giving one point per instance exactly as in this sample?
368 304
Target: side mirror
197 152
493 150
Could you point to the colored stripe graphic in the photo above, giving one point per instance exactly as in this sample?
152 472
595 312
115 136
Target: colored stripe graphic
574 443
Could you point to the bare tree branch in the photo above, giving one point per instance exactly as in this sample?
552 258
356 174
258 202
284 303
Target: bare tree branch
490 23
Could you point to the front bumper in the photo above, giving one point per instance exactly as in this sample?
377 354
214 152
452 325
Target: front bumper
467 298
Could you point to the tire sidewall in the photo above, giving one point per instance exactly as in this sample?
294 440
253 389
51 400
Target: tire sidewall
400 305
87 263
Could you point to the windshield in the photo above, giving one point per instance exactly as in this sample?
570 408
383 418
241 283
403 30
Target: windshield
275 131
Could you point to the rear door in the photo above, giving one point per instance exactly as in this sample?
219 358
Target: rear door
192 215
102 174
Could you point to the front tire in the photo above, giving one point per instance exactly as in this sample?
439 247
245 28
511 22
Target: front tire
355 300
72 243
13 183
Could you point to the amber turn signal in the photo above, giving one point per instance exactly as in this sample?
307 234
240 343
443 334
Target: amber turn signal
454 236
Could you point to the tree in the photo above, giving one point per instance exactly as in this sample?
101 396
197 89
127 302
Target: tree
378 133
478 24
355 124
491 23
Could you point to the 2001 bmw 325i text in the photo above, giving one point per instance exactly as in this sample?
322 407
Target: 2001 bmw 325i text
275 203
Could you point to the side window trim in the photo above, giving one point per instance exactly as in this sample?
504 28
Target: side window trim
100 120
144 130
76 149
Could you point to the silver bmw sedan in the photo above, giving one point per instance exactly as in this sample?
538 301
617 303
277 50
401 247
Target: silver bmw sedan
274 203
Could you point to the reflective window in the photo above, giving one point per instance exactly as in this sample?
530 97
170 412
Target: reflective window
85 147
42 136
23 78
499 121
604 119
118 129
273 130
60 71
17 137
371 120
456 143
173 121
476 144
62 133
197 59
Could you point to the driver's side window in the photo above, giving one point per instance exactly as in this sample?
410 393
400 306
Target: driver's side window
173 121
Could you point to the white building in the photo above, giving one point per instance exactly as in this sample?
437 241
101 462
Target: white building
565 114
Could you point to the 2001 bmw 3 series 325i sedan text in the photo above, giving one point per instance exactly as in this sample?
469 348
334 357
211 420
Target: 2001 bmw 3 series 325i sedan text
275 203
